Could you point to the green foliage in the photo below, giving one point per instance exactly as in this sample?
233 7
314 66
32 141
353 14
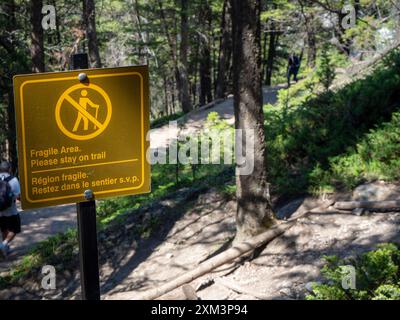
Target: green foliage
377 276
326 70
324 142
376 156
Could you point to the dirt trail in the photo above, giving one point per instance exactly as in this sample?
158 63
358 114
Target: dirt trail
195 120
283 270
38 225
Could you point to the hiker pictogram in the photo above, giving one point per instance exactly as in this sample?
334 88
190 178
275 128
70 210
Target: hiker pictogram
80 99
84 102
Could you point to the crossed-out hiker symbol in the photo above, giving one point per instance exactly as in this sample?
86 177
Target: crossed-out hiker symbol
84 102
92 107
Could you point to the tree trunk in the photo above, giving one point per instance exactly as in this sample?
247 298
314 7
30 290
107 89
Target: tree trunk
172 83
309 21
264 42
225 52
37 46
311 48
89 18
6 91
11 132
142 40
205 75
195 62
273 42
165 86
58 33
205 57
254 213
183 56
183 93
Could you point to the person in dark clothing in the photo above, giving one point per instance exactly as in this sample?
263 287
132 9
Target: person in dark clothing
293 68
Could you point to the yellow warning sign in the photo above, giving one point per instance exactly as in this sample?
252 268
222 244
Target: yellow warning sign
74 136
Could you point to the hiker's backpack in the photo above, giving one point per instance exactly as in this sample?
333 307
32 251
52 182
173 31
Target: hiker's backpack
6 194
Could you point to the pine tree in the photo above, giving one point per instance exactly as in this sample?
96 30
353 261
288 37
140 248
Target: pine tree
326 70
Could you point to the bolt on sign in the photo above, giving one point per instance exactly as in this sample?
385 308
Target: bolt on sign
77 135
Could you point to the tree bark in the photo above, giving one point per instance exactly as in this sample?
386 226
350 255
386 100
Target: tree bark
89 19
11 132
142 43
165 86
311 48
10 44
254 213
173 54
183 56
37 46
205 56
225 52
310 31
273 42
195 73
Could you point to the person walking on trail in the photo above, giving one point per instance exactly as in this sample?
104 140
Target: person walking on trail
10 222
84 102
293 68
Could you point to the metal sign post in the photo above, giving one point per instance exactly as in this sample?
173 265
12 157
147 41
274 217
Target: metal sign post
88 252
87 231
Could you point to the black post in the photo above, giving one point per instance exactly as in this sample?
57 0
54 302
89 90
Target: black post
88 253
87 231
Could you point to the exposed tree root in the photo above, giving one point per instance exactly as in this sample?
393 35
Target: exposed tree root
229 255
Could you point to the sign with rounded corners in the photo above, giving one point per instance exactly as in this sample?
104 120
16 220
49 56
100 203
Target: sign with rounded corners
75 136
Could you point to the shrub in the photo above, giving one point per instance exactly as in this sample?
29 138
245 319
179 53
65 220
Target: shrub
377 276
335 139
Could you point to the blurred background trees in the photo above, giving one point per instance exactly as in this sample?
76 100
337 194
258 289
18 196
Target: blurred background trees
187 44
